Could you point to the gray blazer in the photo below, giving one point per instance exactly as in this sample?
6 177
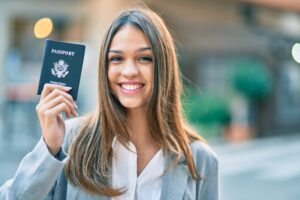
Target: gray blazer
40 176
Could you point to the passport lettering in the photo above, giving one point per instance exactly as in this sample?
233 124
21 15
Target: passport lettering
62 52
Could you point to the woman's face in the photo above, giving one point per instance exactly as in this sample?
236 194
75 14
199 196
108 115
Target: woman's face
130 68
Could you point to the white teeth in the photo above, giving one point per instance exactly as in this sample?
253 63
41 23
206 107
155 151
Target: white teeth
131 86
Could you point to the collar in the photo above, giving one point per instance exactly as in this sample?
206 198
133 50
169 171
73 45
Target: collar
174 179
115 144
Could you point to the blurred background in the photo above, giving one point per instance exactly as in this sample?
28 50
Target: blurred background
241 73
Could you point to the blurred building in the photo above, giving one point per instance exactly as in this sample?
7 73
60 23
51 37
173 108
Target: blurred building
210 36
21 52
213 35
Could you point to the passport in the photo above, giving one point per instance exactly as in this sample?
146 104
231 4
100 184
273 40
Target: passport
62 65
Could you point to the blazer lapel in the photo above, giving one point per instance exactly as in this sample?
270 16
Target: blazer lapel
174 180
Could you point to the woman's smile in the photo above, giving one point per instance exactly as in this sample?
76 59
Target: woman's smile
131 88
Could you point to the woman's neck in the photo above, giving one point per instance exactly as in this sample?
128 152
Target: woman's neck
139 131
140 136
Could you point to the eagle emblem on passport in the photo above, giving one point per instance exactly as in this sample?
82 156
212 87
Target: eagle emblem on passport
60 69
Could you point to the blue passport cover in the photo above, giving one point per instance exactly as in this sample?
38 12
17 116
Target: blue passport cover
62 64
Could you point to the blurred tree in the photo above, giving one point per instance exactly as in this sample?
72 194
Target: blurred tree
206 110
251 78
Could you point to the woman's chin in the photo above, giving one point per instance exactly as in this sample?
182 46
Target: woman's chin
131 105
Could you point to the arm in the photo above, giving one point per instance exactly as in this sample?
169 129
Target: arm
40 168
35 176
209 189
208 167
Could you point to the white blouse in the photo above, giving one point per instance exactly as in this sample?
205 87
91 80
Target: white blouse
147 185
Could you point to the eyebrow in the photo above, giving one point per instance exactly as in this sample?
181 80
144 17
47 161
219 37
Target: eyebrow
139 49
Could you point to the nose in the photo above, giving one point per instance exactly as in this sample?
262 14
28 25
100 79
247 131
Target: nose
130 69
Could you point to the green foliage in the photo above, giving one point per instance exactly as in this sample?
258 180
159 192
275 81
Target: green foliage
205 109
251 78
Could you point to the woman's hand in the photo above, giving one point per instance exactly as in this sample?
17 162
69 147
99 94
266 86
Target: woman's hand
54 100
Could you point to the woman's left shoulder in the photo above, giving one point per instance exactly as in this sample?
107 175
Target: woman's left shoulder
203 154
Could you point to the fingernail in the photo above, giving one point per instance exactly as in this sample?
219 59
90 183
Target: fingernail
68 88
75 105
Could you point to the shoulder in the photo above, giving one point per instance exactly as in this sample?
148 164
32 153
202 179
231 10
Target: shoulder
73 124
73 127
204 156
202 149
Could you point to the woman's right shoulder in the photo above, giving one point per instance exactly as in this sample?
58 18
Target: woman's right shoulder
73 124
73 127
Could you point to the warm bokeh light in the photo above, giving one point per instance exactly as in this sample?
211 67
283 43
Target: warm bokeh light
43 27
296 52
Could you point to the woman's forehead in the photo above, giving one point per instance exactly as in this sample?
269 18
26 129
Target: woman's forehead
129 37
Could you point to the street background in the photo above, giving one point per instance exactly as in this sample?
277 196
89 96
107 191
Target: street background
241 74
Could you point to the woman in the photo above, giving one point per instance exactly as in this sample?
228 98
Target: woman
136 145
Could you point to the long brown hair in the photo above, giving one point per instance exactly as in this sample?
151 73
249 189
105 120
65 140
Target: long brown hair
90 153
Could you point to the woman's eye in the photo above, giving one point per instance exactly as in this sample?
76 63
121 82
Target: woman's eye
145 59
115 59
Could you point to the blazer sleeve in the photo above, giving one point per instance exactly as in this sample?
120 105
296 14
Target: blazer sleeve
38 172
35 176
210 188
208 167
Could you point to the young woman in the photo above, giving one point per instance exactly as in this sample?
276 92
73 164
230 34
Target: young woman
136 145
